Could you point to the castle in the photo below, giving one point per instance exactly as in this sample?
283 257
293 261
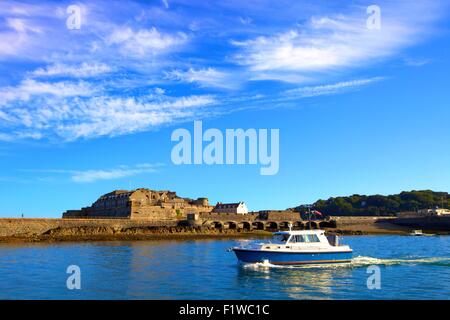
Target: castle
141 204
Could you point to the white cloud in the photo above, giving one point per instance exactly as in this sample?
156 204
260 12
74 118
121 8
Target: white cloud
93 175
29 88
416 62
16 36
159 91
110 174
21 26
106 116
245 21
145 41
60 110
205 77
11 43
313 91
38 32
292 77
83 70
333 43
293 51
20 31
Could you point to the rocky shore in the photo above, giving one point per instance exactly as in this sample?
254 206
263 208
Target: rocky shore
150 233
51 230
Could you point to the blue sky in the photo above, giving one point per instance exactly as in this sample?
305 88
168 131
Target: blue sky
89 110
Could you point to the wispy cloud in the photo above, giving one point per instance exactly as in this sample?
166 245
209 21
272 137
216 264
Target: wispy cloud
93 175
245 21
145 41
335 42
416 62
21 26
206 77
30 88
52 111
25 33
313 91
82 70
39 33
16 37
107 116
110 174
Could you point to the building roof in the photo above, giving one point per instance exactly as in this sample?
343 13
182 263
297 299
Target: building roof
115 193
228 205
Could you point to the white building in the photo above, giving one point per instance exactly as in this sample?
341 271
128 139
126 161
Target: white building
237 208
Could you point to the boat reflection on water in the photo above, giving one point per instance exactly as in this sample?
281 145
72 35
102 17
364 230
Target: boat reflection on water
299 282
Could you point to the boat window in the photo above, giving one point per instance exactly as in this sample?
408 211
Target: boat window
311 238
299 238
281 238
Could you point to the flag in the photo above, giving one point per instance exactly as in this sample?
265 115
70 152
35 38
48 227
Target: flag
317 212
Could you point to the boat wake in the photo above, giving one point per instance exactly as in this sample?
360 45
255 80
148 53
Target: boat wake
364 261
359 261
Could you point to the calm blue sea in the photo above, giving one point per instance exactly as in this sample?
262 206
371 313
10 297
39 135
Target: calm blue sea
410 268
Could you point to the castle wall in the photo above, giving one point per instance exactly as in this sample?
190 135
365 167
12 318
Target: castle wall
165 212
216 216
141 204
279 215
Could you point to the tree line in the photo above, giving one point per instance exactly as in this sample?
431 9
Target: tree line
379 205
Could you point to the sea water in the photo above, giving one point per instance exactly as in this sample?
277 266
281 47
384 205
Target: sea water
408 267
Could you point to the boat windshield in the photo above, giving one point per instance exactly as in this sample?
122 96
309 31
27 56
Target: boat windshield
280 238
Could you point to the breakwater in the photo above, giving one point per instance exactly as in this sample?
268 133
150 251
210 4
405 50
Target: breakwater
432 223
224 225
101 229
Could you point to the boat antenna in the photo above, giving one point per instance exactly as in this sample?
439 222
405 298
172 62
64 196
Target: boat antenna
290 226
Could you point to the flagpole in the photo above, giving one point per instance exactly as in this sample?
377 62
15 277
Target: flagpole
309 217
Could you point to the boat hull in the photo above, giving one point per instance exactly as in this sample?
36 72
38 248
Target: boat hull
292 258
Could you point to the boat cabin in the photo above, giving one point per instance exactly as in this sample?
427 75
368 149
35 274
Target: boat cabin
304 237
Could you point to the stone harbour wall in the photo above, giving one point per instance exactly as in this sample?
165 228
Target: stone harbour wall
427 223
343 221
280 215
11 227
